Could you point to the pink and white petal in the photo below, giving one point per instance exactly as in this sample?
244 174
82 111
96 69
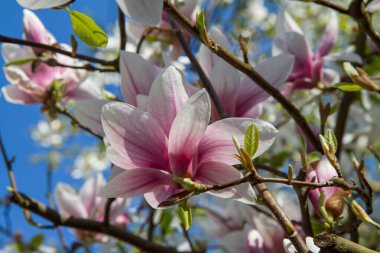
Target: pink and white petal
187 131
143 11
142 102
221 173
68 201
17 77
85 91
74 78
122 162
42 4
166 97
135 135
344 56
207 59
14 95
34 30
89 191
285 23
373 6
160 195
311 245
88 112
235 241
275 70
226 81
217 145
295 44
115 171
330 36
137 76
135 182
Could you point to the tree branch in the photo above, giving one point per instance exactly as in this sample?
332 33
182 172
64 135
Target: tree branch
89 225
330 243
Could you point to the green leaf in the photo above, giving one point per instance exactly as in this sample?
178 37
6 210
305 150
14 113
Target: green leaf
185 215
331 139
19 62
200 23
251 139
313 156
349 87
36 241
87 30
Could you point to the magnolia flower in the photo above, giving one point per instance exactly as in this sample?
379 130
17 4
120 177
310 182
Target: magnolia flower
137 76
309 67
42 4
144 11
31 82
289 247
334 202
241 97
87 205
373 6
172 141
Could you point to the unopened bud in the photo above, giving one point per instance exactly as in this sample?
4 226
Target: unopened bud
360 77
335 203
361 214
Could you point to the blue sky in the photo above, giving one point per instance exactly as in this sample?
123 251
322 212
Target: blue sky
16 120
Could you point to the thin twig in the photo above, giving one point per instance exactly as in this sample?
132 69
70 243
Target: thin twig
62 110
107 211
151 224
122 31
202 75
58 50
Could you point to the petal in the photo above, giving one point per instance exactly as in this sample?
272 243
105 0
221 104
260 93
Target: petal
311 245
42 4
293 43
274 70
344 56
160 195
374 6
34 30
217 145
186 132
135 182
144 11
226 82
329 37
235 242
118 160
221 173
69 202
88 112
89 190
166 98
137 76
285 23
17 77
207 59
14 95
135 135
288 246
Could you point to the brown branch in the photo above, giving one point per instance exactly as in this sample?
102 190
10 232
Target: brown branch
151 224
334 244
107 211
246 69
332 5
89 225
202 75
122 32
58 50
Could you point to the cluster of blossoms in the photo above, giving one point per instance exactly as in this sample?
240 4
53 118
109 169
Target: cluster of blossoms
166 139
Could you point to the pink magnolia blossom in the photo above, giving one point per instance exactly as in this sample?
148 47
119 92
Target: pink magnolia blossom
323 172
85 204
373 6
137 77
309 68
240 96
173 139
289 247
144 11
30 83
42 4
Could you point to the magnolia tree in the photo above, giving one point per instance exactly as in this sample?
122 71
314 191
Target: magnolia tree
230 126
